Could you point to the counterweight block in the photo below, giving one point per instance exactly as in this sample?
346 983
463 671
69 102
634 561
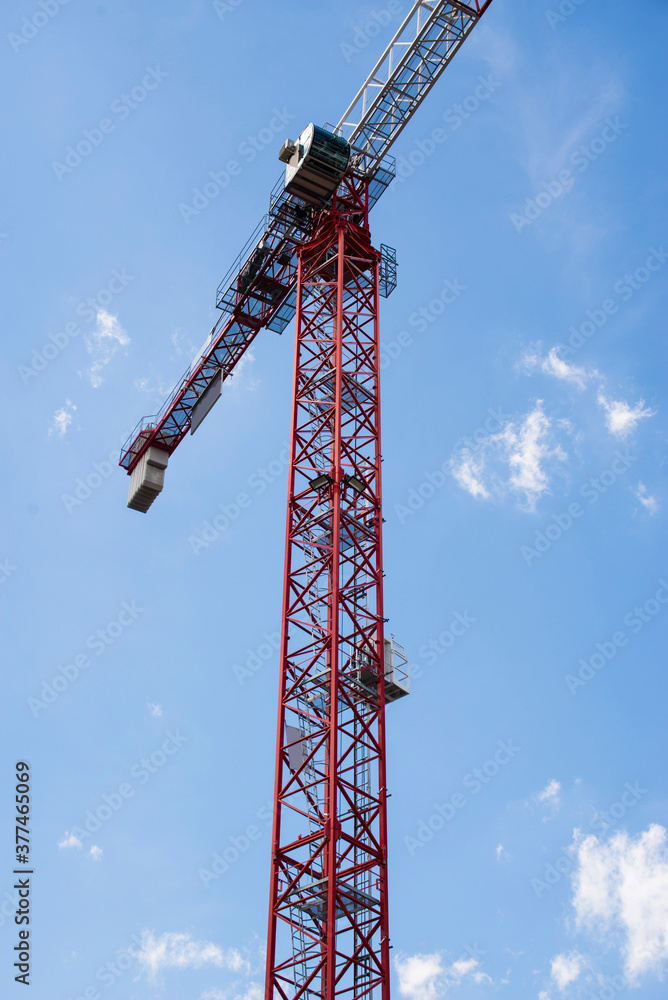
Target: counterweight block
147 478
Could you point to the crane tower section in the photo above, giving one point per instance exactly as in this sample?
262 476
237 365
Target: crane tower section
328 933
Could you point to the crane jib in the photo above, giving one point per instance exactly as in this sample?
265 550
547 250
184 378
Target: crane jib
259 290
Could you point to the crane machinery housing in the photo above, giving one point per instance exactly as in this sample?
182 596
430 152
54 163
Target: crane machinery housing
311 258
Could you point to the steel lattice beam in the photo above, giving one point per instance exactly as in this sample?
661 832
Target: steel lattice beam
328 910
403 76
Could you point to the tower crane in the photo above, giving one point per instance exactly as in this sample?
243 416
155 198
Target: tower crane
311 257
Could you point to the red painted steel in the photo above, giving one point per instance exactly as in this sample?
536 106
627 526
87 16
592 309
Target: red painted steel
328 922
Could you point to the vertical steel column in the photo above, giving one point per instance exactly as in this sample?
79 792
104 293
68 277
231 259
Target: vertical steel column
328 928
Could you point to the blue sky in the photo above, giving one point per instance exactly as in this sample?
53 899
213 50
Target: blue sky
525 494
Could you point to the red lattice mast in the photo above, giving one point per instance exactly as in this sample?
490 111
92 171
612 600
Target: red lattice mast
328 920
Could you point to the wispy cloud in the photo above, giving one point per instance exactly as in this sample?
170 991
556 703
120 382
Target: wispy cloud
95 852
621 891
502 853
180 951
551 140
103 343
650 503
555 366
468 470
62 419
517 460
622 419
155 710
551 794
69 840
527 451
463 967
182 344
248 382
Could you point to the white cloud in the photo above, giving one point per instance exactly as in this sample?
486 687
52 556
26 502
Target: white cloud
621 889
649 503
69 840
550 793
250 383
155 709
467 473
622 419
502 853
419 975
213 995
523 450
179 951
62 418
566 969
463 967
543 995
105 340
527 451
95 852
425 977
556 367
